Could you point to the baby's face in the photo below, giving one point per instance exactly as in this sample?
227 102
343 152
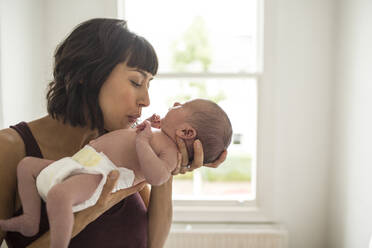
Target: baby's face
177 116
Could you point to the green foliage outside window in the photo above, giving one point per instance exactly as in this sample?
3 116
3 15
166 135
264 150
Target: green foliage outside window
192 49
193 52
235 168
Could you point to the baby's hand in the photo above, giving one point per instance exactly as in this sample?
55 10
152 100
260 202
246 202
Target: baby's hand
154 120
144 131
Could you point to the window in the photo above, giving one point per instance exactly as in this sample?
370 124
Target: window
208 49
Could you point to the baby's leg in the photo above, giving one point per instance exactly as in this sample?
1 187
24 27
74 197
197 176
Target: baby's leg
60 199
27 223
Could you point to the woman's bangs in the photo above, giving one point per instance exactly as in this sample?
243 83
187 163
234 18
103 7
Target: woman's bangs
142 56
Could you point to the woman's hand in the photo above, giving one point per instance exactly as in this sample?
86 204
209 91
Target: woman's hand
108 199
184 165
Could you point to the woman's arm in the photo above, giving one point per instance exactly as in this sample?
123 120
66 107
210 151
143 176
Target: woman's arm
159 214
81 220
160 210
105 202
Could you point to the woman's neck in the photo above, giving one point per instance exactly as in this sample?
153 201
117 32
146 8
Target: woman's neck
54 136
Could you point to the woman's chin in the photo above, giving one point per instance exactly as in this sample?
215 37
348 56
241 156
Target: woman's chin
128 125
117 127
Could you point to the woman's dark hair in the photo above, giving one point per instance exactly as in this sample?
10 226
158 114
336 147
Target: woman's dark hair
83 62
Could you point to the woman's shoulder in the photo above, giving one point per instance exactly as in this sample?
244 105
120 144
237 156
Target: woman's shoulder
11 143
12 150
123 131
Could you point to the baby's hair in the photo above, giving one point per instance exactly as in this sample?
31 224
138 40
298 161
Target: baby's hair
213 128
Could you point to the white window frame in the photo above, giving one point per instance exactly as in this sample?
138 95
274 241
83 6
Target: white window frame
218 210
234 211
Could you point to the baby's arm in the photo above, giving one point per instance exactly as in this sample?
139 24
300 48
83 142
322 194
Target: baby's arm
154 168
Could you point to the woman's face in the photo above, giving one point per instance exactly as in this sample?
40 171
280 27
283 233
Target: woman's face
123 96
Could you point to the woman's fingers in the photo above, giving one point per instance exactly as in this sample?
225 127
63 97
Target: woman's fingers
178 165
119 195
129 191
108 187
216 163
109 199
198 155
182 148
183 167
185 157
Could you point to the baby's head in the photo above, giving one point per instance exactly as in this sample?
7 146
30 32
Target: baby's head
199 119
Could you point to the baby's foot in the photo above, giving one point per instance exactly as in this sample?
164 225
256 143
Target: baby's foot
23 224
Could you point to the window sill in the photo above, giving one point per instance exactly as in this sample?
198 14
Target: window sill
224 235
218 211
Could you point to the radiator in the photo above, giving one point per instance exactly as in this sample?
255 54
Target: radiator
193 236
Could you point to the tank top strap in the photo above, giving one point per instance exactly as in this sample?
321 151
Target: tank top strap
32 148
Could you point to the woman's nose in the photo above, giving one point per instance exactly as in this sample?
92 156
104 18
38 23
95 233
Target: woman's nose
145 99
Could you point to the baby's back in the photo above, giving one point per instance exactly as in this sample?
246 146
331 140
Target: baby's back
119 146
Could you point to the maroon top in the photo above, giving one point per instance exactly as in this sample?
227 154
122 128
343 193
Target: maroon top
123 225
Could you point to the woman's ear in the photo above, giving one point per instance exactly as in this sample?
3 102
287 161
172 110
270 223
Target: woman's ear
186 131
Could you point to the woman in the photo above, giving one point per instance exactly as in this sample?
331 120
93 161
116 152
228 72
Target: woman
102 73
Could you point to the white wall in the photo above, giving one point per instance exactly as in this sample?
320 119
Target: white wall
30 32
62 16
350 211
295 101
21 59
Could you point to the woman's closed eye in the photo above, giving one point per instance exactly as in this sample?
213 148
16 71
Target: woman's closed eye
135 83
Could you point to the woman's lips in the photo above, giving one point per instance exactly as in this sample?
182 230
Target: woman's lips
132 119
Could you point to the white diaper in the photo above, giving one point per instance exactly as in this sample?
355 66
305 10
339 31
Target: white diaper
87 160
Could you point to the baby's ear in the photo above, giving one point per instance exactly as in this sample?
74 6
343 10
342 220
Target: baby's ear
186 131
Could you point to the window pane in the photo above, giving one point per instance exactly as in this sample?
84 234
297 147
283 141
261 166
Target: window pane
198 36
238 97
